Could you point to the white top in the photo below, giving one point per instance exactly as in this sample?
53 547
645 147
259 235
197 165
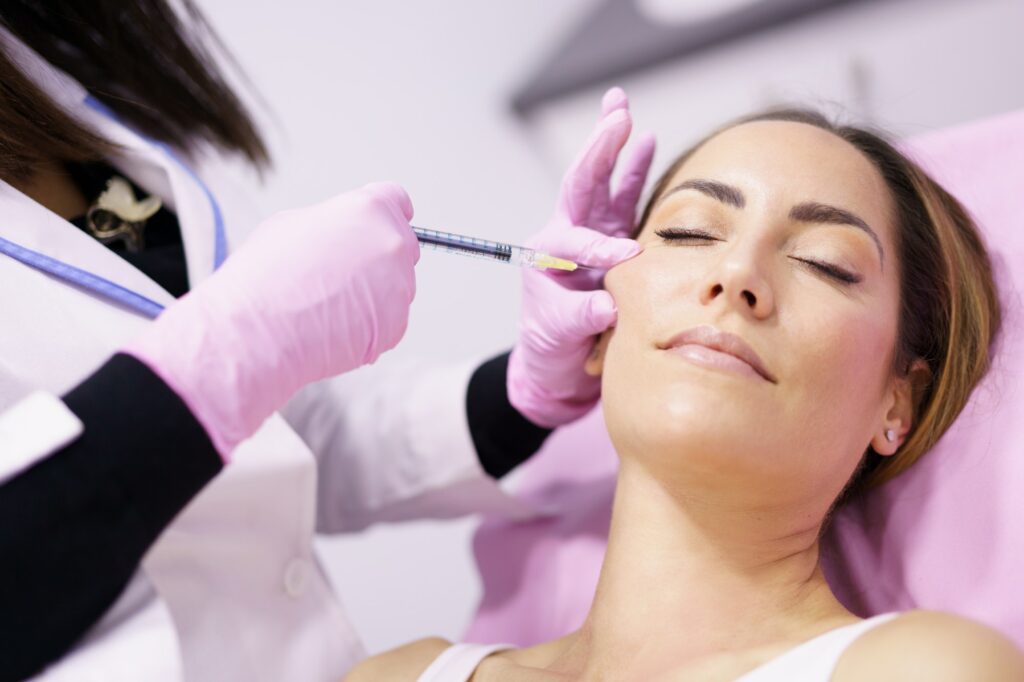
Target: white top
458 662
813 661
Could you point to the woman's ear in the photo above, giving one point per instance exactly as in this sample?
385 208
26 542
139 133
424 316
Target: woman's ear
903 397
594 364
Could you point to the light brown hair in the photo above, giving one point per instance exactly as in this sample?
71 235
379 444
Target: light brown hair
949 307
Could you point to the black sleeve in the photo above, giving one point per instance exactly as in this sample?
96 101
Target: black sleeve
76 524
503 437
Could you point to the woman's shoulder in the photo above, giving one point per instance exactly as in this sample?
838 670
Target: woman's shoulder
404 663
931 645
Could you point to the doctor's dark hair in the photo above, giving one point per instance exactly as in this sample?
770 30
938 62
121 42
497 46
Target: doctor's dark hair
949 313
141 59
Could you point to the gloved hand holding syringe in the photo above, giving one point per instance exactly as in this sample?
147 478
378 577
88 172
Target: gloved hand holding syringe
495 251
344 274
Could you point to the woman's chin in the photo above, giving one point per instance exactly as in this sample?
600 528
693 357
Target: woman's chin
684 407
700 434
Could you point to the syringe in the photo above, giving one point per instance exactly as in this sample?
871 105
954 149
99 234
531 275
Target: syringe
495 251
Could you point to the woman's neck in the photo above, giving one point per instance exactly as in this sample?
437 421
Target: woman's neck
685 579
51 185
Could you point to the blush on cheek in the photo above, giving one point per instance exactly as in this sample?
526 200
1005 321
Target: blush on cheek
617 280
870 346
847 371
651 285
840 355
629 288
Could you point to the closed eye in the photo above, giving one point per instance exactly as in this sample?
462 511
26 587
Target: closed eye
680 234
832 271
684 234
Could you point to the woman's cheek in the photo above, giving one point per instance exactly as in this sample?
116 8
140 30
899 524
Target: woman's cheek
630 286
869 343
645 284
624 283
848 355
618 280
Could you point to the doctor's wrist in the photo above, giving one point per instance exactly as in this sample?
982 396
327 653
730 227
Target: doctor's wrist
503 437
139 429
214 358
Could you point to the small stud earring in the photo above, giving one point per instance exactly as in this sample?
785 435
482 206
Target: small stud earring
890 435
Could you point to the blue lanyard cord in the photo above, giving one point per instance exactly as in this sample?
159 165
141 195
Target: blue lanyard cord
220 245
87 280
103 287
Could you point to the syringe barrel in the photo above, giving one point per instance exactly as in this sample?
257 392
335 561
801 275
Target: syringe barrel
469 246
493 251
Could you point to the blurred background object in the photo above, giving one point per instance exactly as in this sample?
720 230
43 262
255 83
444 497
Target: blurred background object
623 37
477 109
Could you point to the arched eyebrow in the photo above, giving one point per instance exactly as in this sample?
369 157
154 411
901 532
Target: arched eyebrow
727 194
814 212
807 212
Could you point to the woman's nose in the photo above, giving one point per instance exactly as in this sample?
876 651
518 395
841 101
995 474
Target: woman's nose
738 282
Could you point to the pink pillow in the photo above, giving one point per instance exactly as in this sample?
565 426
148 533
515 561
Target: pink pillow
949 534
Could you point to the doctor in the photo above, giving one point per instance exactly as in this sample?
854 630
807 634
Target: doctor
173 431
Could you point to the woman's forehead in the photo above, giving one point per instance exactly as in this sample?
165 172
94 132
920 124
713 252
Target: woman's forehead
777 165
794 161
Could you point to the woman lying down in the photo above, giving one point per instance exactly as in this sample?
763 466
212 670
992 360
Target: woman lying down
808 315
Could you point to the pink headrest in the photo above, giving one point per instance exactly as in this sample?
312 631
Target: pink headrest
948 534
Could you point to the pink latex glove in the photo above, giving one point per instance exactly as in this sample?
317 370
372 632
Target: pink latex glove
562 312
314 292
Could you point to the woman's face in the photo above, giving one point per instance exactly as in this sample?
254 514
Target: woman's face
780 234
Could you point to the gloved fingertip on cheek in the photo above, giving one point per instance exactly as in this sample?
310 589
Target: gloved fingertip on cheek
603 311
628 248
617 250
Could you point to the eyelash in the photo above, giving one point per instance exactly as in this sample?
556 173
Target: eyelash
832 271
838 274
679 233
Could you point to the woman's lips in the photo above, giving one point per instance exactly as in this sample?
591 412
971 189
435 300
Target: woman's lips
710 347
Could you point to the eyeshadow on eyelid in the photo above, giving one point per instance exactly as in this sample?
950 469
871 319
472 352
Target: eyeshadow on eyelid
687 213
838 234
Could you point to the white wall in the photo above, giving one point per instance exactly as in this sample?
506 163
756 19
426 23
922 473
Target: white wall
417 92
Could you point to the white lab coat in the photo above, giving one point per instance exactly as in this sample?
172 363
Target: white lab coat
232 590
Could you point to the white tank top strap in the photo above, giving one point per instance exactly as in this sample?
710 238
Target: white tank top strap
815 660
457 662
